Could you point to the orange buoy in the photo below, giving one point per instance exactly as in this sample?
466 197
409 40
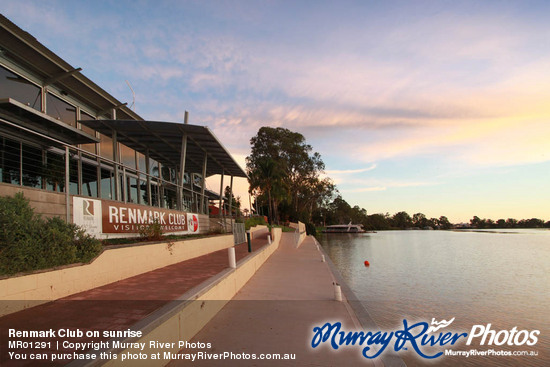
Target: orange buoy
367 263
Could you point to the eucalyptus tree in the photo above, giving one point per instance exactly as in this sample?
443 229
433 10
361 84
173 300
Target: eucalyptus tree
298 170
267 179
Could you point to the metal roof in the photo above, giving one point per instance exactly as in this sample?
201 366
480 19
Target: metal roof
164 139
25 50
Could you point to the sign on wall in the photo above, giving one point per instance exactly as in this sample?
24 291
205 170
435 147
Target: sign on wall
103 218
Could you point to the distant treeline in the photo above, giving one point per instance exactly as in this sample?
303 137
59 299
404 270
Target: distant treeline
287 181
340 212
475 222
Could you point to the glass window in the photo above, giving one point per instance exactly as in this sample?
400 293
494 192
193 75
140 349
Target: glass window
127 156
20 89
10 161
141 162
87 147
32 166
107 183
89 179
54 172
61 110
154 194
168 174
106 146
170 198
132 189
187 202
154 167
143 197
73 177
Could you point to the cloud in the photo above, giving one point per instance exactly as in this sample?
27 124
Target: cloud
351 171
465 86
366 189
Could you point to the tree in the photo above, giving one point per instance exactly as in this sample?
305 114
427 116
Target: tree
266 177
511 223
419 220
402 220
284 167
235 202
475 222
377 221
444 223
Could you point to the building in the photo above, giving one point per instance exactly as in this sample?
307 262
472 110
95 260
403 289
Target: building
77 152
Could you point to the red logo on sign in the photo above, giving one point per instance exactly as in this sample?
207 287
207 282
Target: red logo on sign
195 223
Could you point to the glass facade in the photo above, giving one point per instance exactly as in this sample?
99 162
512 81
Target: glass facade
20 89
127 156
87 147
39 163
32 165
10 161
106 146
60 110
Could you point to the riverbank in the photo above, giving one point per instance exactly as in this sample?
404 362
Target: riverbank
275 312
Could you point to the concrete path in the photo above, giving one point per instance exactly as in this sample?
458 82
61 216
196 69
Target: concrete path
276 311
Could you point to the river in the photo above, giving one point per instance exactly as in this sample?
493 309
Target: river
500 277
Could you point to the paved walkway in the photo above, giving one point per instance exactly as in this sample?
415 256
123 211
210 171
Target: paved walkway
115 306
276 311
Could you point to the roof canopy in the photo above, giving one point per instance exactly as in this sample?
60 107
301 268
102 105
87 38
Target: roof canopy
164 142
32 119
25 50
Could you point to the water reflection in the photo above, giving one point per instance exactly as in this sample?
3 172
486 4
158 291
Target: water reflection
477 277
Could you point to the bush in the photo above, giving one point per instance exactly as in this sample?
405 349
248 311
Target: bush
254 221
28 242
151 231
311 230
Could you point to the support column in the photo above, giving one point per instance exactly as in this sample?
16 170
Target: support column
203 183
124 185
117 193
160 187
148 170
67 184
231 202
43 93
183 156
221 200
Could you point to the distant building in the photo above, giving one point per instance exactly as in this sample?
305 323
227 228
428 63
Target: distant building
77 152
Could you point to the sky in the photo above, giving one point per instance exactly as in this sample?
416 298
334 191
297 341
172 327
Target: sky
438 107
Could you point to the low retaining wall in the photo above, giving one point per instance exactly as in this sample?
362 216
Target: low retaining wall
258 231
300 234
111 265
184 318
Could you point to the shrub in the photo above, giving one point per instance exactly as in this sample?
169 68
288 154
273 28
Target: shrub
310 229
28 242
254 221
151 231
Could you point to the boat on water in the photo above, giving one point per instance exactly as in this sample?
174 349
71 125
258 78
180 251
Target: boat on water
344 228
